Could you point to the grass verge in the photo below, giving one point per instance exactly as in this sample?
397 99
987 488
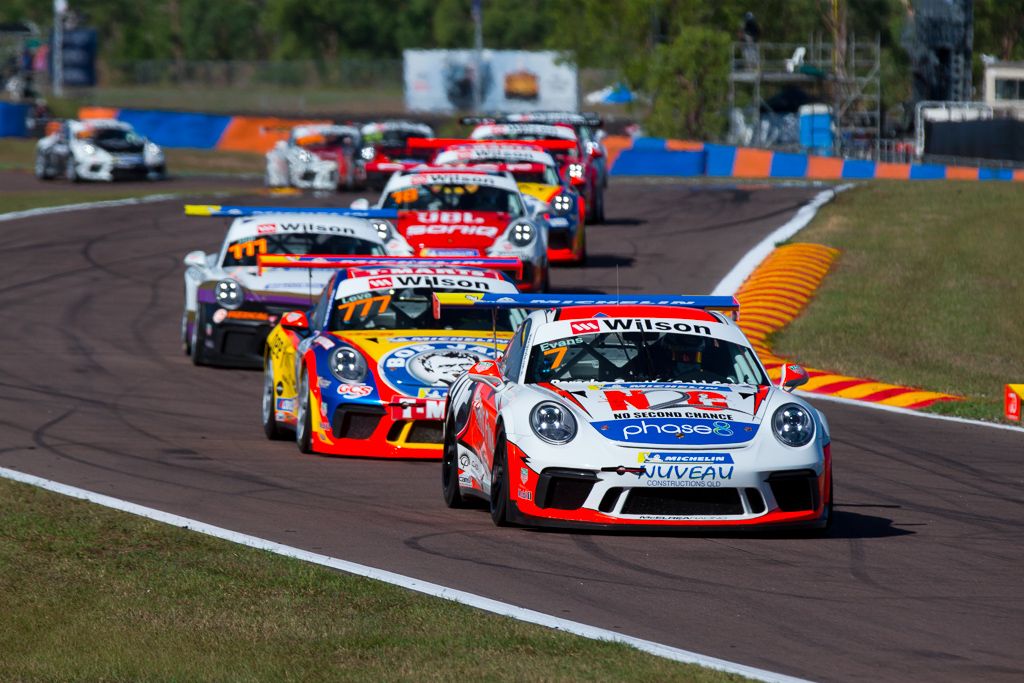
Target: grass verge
926 292
88 593
19 154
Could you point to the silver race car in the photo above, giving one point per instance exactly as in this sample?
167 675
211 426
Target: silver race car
317 157
98 149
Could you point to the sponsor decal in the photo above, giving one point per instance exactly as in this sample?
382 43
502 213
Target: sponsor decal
643 324
354 390
266 228
451 252
248 315
417 409
219 315
585 326
525 494
317 227
286 405
558 222
438 282
714 473
434 364
524 474
291 318
324 343
684 458
670 430
381 283
457 179
638 399
323 382
432 392
465 480
488 231
561 343
450 340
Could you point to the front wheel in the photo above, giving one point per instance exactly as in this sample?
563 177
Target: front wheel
499 483
71 170
304 419
271 429
197 344
450 469
42 172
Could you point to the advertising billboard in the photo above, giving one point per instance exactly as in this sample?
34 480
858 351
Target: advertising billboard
511 80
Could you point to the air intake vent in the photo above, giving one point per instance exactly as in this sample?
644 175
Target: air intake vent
683 502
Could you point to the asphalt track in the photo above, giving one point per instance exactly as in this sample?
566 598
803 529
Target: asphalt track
919 580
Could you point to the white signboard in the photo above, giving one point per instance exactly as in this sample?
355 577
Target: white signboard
511 80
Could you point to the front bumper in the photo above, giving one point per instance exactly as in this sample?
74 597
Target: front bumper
107 170
370 430
236 339
316 176
572 498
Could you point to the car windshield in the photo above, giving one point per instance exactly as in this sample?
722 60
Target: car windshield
412 309
445 197
244 252
645 356
113 139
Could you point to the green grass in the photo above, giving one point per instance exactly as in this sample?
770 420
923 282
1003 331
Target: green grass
19 154
926 293
87 593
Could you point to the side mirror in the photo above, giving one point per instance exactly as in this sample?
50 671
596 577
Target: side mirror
295 321
792 377
577 182
594 149
486 371
196 259
361 203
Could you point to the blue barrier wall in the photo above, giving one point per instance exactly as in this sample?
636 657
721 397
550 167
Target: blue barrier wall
12 119
177 129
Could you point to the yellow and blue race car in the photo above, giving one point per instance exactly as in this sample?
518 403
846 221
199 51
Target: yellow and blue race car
366 371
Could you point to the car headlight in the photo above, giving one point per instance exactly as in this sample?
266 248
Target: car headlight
553 423
793 425
88 150
348 365
561 204
153 149
575 170
522 234
384 230
304 156
229 294
368 153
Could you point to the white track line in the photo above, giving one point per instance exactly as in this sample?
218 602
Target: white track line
753 258
433 589
64 208
907 411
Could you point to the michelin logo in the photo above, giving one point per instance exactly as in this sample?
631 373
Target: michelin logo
684 459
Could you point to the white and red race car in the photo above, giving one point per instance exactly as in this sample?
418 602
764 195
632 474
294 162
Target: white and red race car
317 157
609 411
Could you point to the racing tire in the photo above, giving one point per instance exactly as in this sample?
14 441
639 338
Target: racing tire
304 421
499 483
71 171
599 206
186 338
271 429
197 344
450 469
41 170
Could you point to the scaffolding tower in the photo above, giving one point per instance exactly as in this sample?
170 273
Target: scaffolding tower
848 80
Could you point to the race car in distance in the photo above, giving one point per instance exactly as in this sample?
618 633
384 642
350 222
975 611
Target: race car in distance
317 157
614 411
464 212
576 159
366 371
587 126
386 149
98 149
230 305
536 173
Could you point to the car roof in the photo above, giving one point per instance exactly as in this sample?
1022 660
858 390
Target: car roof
450 175
323 129
86 124
353 281
382 126
302 223
573 321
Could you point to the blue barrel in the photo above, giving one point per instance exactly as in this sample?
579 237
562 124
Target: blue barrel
12 120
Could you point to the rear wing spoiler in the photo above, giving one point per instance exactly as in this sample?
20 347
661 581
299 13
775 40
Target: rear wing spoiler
241 211
541 301
307 261
586 118
443 143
